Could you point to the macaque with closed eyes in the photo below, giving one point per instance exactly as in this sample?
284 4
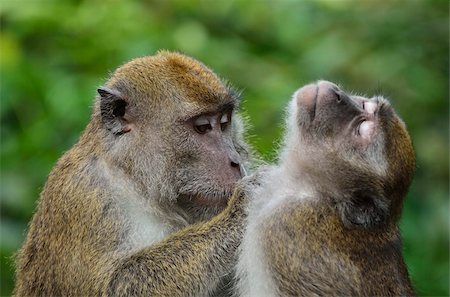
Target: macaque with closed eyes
324 220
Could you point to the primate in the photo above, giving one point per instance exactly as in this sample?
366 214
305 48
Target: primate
141 206
324 220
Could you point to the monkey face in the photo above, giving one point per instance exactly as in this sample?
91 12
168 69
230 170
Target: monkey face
327 113
173 127
358 147
348 126
213 162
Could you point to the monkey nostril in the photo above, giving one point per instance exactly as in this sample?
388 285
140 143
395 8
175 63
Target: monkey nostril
338 93
234 164
341 96
338 96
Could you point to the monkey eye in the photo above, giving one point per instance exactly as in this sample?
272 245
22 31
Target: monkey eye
224 121
202 125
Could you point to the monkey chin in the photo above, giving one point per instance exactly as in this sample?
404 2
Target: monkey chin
202 207
202 200
207 201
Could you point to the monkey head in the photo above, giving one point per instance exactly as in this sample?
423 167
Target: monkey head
170 124
355 150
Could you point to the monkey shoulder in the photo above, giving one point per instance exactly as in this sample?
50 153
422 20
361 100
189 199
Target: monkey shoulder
304 234
101 203
294 231
321 250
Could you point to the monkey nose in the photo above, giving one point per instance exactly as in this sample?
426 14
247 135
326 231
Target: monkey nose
329 89
329 92
309 95
327 85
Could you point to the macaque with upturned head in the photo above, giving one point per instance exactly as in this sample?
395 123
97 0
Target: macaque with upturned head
324 220
141 206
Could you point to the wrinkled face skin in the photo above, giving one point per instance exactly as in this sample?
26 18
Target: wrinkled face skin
328 115
177 133
204 142
212 164
356 146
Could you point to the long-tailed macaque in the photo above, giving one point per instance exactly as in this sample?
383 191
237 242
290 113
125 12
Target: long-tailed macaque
127 211
324 221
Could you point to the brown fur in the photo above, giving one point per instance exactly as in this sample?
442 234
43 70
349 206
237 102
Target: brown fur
128 170
335 232
329 259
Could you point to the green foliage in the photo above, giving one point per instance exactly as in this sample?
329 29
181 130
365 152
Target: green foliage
55 54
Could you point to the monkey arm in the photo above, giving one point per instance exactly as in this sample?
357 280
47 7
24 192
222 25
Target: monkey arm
188 263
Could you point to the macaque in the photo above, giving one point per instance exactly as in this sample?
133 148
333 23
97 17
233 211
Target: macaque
141 206
324 220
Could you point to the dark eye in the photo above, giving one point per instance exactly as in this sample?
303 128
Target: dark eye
202 125
224 121
202 129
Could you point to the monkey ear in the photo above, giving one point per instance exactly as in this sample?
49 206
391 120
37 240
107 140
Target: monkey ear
113 108
364 210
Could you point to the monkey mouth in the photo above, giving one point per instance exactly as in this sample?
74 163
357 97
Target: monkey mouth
210 200
307 99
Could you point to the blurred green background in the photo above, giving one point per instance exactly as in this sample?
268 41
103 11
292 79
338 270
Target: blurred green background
54 54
